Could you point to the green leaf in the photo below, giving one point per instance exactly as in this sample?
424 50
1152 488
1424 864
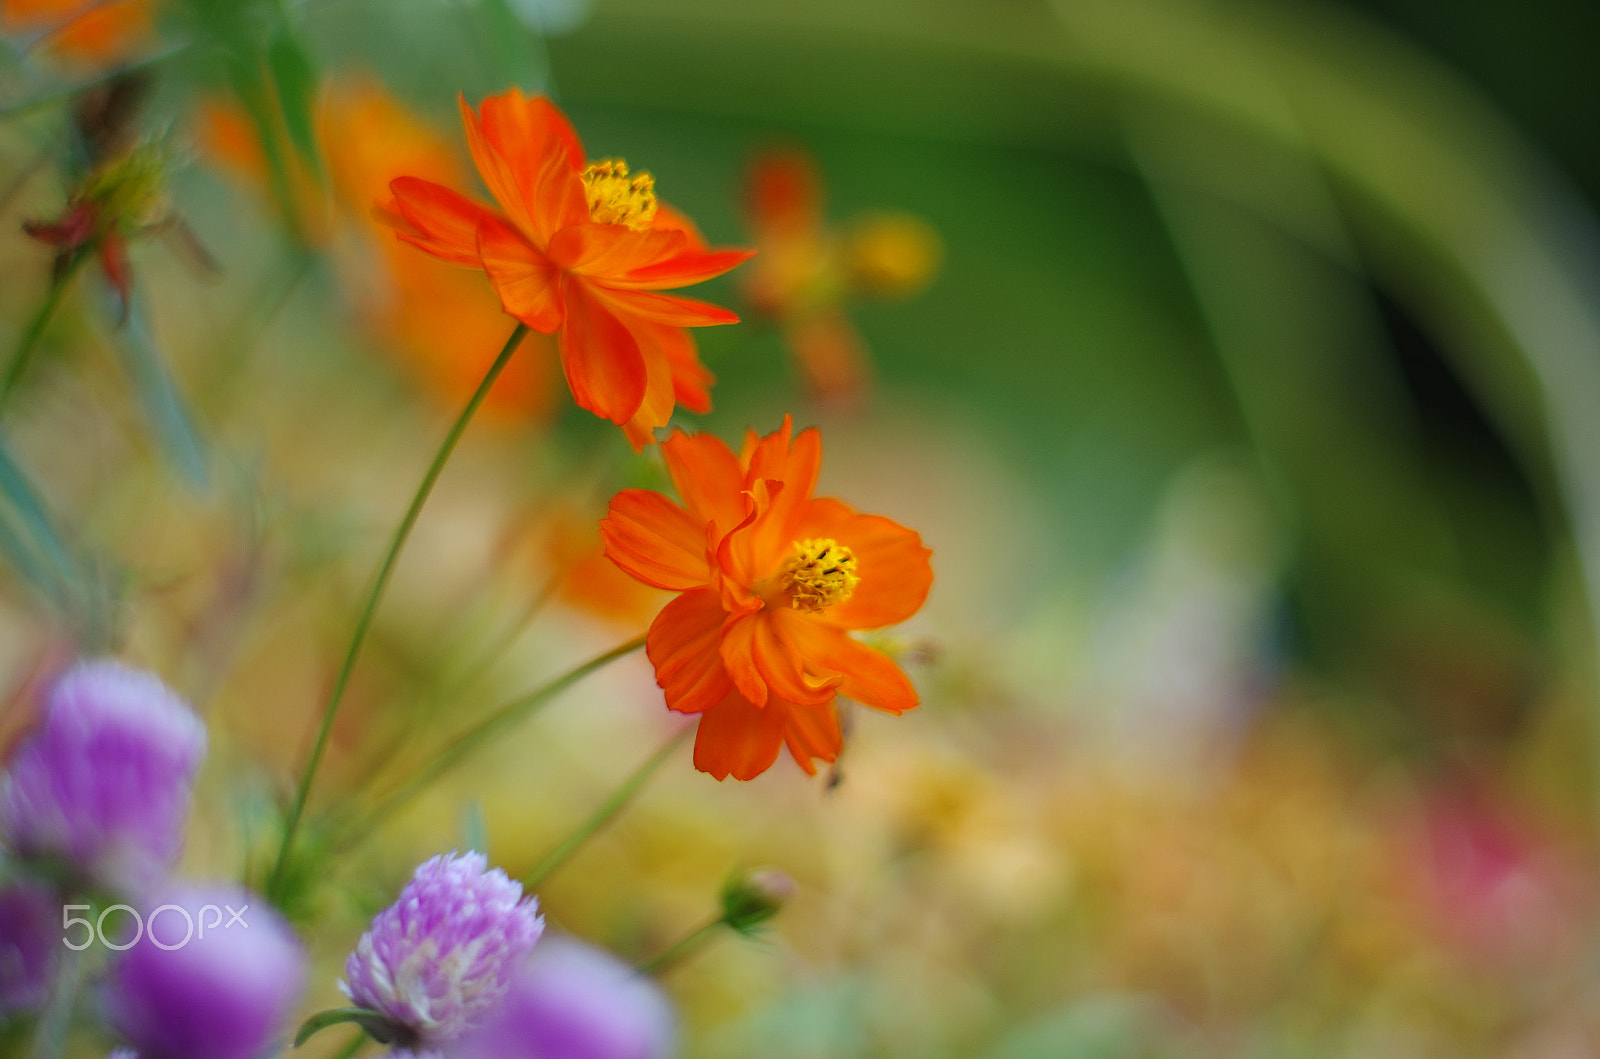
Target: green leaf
32 544
475 827
295 79
163 402
377 1025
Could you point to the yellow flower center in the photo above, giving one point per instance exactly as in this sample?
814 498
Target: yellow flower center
821 572
615 197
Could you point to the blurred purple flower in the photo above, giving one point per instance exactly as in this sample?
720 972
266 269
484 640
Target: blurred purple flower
105 780
443 955
574 1001
30 937
216 978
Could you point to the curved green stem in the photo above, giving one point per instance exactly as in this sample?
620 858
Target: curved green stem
480 733
683 947
36 327
370 608
603 815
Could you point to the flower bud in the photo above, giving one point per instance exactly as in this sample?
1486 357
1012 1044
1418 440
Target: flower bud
29 941
574 1001
441 958
104 783
215 974
750 900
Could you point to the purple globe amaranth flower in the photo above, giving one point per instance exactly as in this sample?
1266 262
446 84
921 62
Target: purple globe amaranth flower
30 938
104 782
216 974
574 1001
442 956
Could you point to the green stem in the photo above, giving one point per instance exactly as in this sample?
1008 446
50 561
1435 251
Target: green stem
36 327
480 733
685 946
603 815
370 608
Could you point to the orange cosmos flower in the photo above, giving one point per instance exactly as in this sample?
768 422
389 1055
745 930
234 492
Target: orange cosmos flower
771 581
579 250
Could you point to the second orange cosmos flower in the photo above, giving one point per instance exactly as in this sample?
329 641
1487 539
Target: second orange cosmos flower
772 580
577 249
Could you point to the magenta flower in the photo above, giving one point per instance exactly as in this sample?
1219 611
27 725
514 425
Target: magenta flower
574 1001
104 782
215 976
30 937
439 959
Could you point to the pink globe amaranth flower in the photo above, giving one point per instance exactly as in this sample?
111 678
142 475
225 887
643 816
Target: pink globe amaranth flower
30 938
574 1001
439 959
216 977
104 783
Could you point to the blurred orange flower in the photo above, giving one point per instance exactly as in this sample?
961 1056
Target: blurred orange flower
440 323
96 33
579 251
590 582
771 581
807 272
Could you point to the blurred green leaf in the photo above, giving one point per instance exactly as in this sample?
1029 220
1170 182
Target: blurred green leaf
474 827
32 544
295 79
164 405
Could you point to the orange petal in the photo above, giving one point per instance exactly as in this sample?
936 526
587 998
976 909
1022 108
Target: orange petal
735 556
738 739
891 559
543 154
600 357
691 380
442 222
708 478
660 391
655 540
528 284
682 645
738 655
680 270
605 251
813 734
780 667
672 219
870 677
796 465
496 171
666 308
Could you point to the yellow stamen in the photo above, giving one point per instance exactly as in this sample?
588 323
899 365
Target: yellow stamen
615 197
821 572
